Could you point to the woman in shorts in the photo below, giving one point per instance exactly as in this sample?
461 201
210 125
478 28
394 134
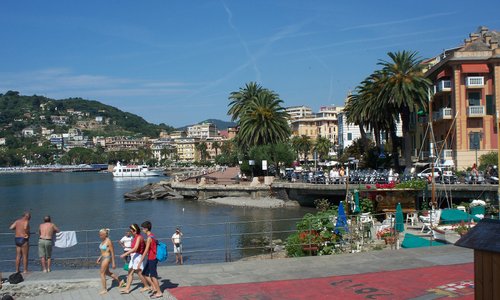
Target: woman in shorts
135 265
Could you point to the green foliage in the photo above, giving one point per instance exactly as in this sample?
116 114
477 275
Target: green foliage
366 205
293 246
488 159
36 111
322 204
275 154
416 184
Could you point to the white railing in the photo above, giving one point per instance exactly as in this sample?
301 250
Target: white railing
475 111
474 81
445 113
443 86
447 154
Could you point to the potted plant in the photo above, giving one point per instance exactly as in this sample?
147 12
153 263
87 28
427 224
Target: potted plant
461 228
388 235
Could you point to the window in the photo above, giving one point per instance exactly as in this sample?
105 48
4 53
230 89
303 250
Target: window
349 136
474 98
475 140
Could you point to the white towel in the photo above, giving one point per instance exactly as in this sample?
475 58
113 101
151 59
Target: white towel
65 239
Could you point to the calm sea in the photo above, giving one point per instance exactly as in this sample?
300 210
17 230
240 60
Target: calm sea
85 202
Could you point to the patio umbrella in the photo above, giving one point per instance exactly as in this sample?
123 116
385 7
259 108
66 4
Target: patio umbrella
399 225
341 220
356 202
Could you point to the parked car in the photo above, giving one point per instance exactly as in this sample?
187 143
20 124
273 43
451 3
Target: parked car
427 172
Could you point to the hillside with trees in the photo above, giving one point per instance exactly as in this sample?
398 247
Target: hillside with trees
19 111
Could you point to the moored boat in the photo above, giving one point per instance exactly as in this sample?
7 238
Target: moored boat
134 171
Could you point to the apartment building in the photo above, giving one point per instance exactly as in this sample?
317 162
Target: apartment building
299 112
202 131
186 149
466 98
324 123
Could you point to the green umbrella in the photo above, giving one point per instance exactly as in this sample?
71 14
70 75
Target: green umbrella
399 225
356 202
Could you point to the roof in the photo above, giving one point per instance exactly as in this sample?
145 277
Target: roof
484 236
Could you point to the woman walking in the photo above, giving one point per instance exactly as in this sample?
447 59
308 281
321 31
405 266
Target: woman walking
135 265
107 256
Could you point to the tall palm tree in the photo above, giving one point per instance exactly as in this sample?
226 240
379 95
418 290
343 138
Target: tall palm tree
296 145
404 90
322 147
202 148
305 145
263 121
216 146
240 99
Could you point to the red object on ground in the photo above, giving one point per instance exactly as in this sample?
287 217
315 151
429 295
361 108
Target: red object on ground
439 282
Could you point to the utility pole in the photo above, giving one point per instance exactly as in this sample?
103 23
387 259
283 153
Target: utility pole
498 160
431 149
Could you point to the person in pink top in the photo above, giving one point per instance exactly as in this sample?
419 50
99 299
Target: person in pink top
151 264
135 265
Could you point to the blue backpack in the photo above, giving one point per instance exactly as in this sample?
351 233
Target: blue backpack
161 251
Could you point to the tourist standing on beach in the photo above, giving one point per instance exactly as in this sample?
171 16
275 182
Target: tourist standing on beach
150 268
135 265
107 256
22 229
46 230
176 240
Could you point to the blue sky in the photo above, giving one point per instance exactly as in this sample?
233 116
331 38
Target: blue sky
177 61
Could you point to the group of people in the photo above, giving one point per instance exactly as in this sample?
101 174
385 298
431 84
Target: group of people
139 253
46 231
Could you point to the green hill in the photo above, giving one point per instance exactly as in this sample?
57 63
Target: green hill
220 124
19 111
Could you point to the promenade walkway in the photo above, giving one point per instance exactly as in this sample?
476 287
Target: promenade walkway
422 273
224 176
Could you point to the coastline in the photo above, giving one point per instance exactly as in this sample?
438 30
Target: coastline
263 202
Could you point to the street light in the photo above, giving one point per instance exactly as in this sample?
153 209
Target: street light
475 138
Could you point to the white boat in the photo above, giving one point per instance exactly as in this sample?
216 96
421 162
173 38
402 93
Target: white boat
134 171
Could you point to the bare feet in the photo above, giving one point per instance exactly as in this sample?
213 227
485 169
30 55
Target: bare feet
145 289
124 292
155 296
103 292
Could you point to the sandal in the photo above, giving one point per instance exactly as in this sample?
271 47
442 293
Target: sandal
124 292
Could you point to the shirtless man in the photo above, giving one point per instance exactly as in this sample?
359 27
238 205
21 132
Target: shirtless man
47 229
22 228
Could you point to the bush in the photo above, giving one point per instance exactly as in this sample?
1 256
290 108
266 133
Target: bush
293 246
366 205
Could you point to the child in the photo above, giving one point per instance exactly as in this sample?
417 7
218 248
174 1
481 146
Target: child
126 243
150 268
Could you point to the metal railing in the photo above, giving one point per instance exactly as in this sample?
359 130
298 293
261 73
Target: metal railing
475 111
229 241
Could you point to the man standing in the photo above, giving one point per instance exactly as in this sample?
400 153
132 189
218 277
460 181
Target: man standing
22 229
47 230
176 240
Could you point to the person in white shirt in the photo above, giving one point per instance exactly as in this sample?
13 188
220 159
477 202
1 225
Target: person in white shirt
126 243
176 240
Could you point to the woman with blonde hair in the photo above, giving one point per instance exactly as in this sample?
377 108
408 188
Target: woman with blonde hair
135 266
107 256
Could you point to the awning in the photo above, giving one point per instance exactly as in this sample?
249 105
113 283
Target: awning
475 68
444 73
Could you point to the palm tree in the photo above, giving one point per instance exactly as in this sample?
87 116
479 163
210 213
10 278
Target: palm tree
404 90
305 145
295 143
263 121
241 98
202 148
216 146
322 147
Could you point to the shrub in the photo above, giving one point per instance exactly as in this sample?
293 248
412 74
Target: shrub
294 246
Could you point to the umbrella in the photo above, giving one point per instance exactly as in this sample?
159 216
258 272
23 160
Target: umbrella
341 220
356 202
399 225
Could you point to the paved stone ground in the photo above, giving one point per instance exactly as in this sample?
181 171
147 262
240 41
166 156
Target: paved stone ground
175 278
222 177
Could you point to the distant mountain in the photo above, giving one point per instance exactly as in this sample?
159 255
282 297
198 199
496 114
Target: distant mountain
95 118
220 124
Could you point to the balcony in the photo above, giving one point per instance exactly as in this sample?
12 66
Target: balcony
474 81
443 86
475 111
444 113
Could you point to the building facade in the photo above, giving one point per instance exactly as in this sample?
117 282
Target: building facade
202 131
466 98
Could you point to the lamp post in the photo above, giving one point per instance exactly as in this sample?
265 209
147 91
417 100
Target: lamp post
251 163
475 138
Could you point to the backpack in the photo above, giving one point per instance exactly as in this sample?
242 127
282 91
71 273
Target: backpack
16 278
161 251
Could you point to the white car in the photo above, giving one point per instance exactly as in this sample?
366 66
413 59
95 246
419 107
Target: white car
427 172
